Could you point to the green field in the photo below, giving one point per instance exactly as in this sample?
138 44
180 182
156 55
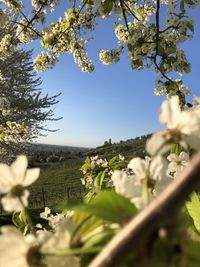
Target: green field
61 180
56 182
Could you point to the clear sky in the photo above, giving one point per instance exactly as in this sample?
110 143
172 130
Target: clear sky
112 102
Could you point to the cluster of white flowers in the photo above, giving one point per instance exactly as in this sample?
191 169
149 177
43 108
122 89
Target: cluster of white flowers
44 61
1 76
150 43
177 163
105 9
55 220
96 161
109 57
147 173
48 6
183 127
6 46
14 132
175 85
15 5
25 33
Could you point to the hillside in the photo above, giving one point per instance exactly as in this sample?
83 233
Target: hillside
60 168
129 148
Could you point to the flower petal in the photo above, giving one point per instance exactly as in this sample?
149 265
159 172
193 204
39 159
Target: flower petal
6 179
18 168
169 112
184 156
13 248
173 157
31 176
158 168
11 204
157 141
138 166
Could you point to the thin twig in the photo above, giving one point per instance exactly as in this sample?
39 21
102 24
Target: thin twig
147 221
124 2
26 26
124 14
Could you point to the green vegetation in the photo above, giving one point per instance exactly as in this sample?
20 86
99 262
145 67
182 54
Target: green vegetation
60 178
60 168
129 148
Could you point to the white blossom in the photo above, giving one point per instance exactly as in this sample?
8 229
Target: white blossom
177 163
148 168
13 180
183 127
55 220
14 248
128 186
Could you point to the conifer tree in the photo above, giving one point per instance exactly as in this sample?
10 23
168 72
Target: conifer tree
23 109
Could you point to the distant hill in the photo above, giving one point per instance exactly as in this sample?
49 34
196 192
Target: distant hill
130 148
41 153
44 153
56 148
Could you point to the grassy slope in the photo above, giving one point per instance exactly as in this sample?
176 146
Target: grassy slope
57 179
62 179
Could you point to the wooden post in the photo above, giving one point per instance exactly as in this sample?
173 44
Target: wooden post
43 197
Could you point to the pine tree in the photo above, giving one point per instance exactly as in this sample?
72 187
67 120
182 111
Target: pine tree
23 109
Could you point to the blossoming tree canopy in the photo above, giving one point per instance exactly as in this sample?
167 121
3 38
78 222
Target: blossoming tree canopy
151 39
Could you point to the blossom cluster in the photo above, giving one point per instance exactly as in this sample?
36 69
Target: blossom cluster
24 33
14 132
137 27
144 179
95 166
6 46
55 220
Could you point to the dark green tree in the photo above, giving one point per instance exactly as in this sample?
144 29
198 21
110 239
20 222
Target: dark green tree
24 111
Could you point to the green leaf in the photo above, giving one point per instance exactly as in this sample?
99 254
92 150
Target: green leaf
192 253
8 123
112 207
99 238
20 220
182 6
193 208
176 149
67 25
190 26
171 50
69 204
161 50
86 223
189 2
23 217
90 195
119 165
107 6
112 160
87 165
99 179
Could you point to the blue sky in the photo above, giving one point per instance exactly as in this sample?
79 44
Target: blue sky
112 102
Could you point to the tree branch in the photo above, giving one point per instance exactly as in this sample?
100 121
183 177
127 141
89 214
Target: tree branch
148 220
124 2
124 14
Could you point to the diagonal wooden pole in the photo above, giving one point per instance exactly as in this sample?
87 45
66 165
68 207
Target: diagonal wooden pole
166 204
